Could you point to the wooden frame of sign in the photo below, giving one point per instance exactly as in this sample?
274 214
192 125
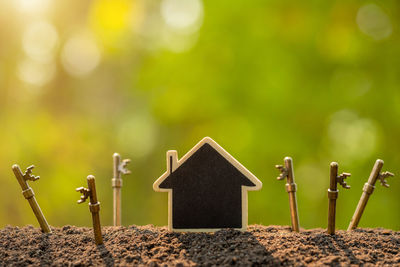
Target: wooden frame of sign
207 181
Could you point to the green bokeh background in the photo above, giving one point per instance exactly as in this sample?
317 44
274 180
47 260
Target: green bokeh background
317 81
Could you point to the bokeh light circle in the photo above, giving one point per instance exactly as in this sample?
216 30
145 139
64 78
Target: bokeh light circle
182 15
374 22
80 55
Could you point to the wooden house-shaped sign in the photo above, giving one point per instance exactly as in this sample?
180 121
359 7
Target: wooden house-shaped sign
207 189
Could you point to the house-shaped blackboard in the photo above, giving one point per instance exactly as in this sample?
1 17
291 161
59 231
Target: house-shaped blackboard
207 189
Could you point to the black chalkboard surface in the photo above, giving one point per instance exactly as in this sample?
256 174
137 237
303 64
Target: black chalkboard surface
207 189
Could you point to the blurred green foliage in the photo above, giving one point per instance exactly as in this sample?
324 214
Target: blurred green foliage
80 80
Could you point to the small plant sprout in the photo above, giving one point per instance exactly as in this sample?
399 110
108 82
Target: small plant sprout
119 169
291 188
333 194
368 189
30 195
94 206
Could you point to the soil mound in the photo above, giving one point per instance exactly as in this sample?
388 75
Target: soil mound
155 246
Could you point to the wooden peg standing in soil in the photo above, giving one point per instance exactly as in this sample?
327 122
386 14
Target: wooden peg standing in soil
119 169
94 206
291 188
30 195
368 189
333 194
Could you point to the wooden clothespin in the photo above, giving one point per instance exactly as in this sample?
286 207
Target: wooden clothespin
94 206
368 189
30 195
333 194
291 188
119 169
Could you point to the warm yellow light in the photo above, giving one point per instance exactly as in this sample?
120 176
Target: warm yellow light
109 20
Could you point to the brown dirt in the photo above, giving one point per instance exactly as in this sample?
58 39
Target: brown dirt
153 246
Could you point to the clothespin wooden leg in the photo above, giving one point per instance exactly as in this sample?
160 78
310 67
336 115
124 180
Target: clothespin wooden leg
30 195
116 184
368 189
333 194
94 206
291 188
119 169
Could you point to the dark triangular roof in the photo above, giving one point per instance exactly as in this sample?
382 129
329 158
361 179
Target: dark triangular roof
206 165
201 152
